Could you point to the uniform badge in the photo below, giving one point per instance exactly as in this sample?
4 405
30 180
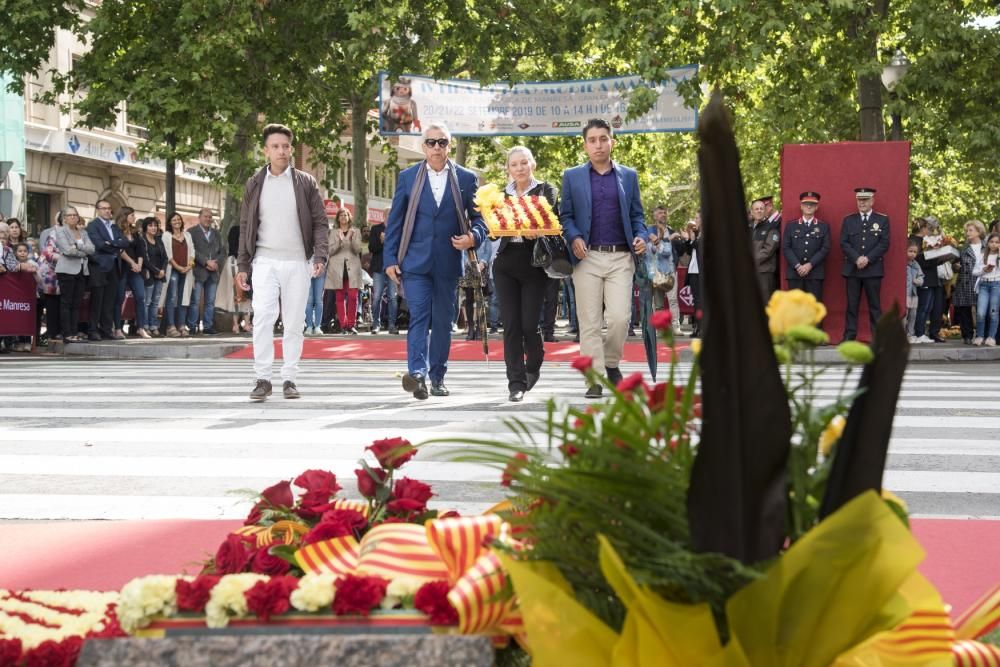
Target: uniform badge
774 237
875 226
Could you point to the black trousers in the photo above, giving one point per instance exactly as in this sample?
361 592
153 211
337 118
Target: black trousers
551 301
966 321
872 288
51 302
521 288
768 284
71 296
103 294
813 286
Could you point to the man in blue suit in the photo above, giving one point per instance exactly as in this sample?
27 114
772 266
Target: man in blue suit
425 244
604 225
104 272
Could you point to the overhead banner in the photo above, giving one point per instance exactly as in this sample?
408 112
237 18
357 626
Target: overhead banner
538 108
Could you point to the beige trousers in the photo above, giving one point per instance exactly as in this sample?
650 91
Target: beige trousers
603 284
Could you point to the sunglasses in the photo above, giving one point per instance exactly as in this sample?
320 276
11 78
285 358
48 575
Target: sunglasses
440 143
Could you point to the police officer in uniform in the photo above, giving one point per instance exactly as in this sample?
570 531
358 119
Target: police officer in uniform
805 245
864 238
764 240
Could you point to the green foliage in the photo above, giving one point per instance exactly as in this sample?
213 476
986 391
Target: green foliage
619 469
28 31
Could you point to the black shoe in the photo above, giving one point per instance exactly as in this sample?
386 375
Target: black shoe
393 331
939 340
438 389
374 331
210 332
967 341
549 338
261 391
493 330
414 384
614 374
576 338
94 336
289 390
532 380
631 333
516 396
594 391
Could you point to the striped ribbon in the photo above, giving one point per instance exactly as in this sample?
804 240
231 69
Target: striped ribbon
393 549
338 555
970 653
982 617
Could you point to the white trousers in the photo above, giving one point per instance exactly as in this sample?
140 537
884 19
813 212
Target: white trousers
603 284
284 284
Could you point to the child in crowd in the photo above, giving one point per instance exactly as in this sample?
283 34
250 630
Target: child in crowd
988 306
914 279
25 264
963 296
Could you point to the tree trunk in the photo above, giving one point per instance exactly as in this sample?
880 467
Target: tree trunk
170 192
461 151
242 143
862 37
359 156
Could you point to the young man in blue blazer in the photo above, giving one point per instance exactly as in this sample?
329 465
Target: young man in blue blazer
104 271
425 244
604 225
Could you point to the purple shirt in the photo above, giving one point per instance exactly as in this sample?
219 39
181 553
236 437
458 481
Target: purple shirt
606 215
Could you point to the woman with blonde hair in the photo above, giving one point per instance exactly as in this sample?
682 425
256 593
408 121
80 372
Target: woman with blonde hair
521 285
963 297
180 281
72 269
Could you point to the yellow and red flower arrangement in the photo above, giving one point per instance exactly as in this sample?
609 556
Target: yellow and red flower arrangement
514 216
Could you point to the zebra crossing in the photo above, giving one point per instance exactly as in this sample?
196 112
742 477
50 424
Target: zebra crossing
95 439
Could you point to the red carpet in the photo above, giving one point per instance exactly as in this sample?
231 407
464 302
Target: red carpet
394 349
962 556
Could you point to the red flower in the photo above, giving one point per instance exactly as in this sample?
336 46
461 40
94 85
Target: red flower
366 485
583 364
10 652
270 598
335 523
568 450
661 319
193 595
513 467
54 654
392 452
255 516
630 383
432 599
358 595
313 503
265 562
409 496
657 396
450 514
233 556
317 481
279 495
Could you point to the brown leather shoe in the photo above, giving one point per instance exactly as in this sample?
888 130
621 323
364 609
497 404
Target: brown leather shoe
261 391
289 390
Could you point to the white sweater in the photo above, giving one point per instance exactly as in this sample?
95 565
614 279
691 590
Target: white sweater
279 235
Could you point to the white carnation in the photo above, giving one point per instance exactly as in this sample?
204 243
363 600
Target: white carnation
315 592
227 600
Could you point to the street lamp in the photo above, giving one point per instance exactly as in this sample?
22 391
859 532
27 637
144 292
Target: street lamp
892 74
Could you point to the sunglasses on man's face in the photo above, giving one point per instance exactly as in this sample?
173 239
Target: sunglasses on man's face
440 143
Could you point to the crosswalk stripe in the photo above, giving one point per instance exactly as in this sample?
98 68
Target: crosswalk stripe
90 439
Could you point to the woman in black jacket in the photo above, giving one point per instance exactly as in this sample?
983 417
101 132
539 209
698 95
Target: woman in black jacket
520 285
154 269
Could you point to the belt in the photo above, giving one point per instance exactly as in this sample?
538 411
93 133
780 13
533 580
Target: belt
618 247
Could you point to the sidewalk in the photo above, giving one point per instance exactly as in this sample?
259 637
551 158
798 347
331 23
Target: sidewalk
385 347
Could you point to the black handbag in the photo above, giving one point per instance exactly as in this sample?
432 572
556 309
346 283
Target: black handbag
552 255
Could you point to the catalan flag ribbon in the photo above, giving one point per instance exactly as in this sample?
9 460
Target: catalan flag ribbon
394 549
338 555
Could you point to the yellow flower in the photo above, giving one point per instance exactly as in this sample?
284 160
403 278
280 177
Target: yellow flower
831 434
144 598
696 346
488 197
226 599
793 308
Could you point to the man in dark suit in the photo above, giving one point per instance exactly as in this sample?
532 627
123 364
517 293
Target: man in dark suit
805 245
605 227
208 257
764 239
104 272
864 238
425 244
